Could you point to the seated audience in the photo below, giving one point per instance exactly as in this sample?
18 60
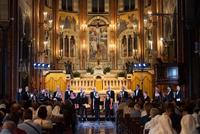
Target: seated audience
28 126
188 125
146 117
8 127
164 122
42 121
136 112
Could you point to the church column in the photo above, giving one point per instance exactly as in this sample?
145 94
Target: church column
160 29
39 38
35 35
63 48
55 37
113 23
141 28
4 65
154 29
69 38
127 46
83 33
179 54
12 50
8 44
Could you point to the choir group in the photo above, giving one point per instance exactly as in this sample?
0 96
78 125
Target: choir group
94 102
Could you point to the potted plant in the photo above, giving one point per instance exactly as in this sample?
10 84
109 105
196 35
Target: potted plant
106 70
90 70
76 74
121 74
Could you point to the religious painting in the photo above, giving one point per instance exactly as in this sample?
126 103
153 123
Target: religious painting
169 7
124 46
98 40
126 22
69 22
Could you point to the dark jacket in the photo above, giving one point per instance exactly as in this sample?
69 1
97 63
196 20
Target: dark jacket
96 103
111 94
179 96
138 95
170 96
67 94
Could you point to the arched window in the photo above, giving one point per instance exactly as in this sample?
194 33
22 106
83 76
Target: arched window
66 46
128 45
124 46
64 5
48 3
67 5
98 6
129 5
72 46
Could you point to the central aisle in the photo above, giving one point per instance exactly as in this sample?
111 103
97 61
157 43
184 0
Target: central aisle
95 127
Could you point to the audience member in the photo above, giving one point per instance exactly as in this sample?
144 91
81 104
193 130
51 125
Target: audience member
28 126
42 121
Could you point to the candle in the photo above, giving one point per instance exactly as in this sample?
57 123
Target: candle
151 44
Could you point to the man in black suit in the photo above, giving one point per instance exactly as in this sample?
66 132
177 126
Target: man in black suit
57 95
179 94
92 94
138 93
26 95
111 93
19 95
170 94
123 95
82 100
68 92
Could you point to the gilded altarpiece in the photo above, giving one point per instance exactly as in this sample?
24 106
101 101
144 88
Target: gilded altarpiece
127 37
68 39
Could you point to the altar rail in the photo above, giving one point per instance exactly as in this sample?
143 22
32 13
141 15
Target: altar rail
88 84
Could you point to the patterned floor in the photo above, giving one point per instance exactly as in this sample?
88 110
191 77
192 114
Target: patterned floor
96 127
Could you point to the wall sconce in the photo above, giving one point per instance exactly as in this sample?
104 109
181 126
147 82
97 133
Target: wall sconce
135 54
161 44
60 55
47 22
46 48
148 24
45 15
61 30
134 26
150 44
84 26
84 45
112 26
149 12
61 27
112 47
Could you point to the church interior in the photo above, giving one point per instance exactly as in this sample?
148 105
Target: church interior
101 44
93 43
